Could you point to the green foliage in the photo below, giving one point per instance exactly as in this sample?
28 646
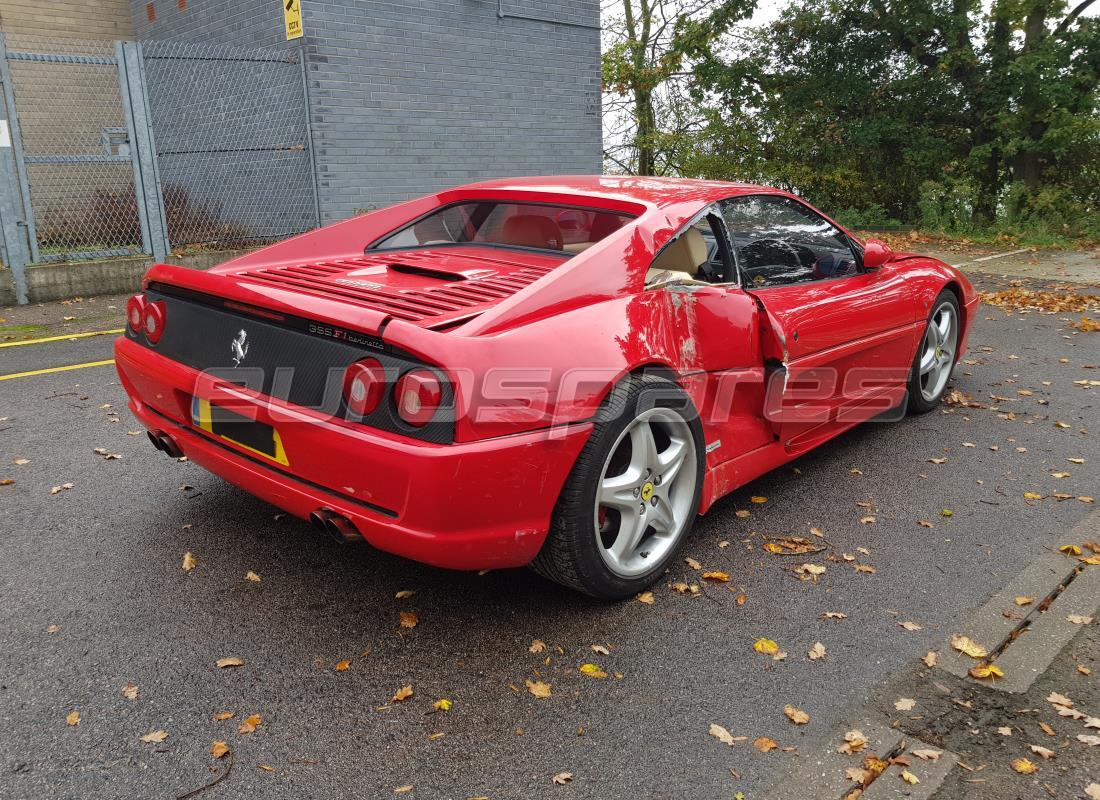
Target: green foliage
958 115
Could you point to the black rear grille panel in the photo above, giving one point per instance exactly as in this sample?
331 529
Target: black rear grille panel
287 359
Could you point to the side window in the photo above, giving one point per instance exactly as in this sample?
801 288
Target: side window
779 242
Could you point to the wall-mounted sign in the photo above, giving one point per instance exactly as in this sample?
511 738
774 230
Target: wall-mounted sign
292 16
5 136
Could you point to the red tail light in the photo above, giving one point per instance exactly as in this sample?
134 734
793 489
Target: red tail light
419 394
135 312
364 385
154 320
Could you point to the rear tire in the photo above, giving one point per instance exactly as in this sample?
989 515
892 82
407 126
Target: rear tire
935 359
633 494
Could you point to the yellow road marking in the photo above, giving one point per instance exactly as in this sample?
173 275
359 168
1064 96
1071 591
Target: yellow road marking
56 369
61 338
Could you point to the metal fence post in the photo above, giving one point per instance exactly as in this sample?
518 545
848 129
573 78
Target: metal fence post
147 189
309 133
16 216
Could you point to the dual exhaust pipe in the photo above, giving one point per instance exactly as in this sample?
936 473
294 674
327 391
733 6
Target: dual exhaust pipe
165 443
336 526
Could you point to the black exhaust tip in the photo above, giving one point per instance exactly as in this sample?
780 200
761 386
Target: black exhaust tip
155 439
339 528
169 446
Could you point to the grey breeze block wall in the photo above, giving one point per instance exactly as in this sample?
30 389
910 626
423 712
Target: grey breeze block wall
411 97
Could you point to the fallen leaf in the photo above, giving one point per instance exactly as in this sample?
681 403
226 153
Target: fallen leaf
910 625
816 652
231 661
250 723
1042 751
964 644
601 649
593 671
342 666
1071 549
925 523
402 694
1032 496
538 688
1049 731
691 562
985 670
645 597
266 767
868 520
537 646
1091 741
442 705
1057 699
1024 601
947 512
937 461
854 741
796 715
409 619
252 576
928 755
931 659
1004 730
130 691
909 778
1093 791
57 489
219 749
1024 767
721 577
562 778
865 568
73 718
905 704
156 737
188 561
404 594
764 744
834 615
221 716
742 513
766 646
758 499
403 789
1078 619
724 736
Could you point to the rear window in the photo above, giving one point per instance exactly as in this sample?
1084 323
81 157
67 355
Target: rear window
564 229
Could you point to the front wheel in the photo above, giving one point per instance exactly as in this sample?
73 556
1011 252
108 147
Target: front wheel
633 493
936 355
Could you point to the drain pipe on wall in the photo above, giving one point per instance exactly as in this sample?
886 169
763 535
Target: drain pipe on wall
504 15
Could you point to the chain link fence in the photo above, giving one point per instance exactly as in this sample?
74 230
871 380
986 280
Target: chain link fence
120 148
75 147
232 143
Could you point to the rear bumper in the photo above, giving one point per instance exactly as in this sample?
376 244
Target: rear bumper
479 505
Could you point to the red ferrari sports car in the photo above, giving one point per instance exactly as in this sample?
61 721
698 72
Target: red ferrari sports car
555 372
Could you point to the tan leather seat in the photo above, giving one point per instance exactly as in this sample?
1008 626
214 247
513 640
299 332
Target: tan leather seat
532 230
681 258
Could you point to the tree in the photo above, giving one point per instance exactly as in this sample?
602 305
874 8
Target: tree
860 101
649 48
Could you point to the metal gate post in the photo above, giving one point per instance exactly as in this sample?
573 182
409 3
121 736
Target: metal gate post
309 134
16 216
139 123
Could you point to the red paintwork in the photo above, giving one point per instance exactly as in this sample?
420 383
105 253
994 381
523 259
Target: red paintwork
531 367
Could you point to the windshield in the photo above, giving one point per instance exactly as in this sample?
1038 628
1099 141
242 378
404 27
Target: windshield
565 229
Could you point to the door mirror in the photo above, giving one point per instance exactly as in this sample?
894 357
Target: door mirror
876 253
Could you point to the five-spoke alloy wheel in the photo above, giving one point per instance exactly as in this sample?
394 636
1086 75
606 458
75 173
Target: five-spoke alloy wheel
936 355
632 495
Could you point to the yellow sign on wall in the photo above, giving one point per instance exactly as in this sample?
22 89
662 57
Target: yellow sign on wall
292 16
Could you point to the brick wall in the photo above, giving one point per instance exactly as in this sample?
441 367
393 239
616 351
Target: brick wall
103 19
410 97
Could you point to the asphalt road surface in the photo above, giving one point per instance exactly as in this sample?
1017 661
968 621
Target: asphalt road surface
93 597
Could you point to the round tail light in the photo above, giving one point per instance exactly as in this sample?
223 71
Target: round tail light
154 321
135 312
364 384
419 394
